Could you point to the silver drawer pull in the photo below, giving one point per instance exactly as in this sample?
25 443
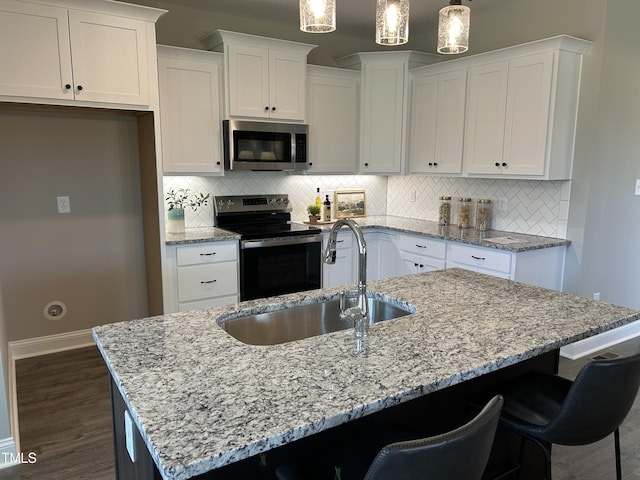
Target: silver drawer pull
477 258
208 281
207 254
421 246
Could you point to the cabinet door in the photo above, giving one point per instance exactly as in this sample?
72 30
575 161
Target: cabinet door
527 114
248 78
287 85
437 126
110 58
343 272
424 123
190 117
35 53
485 118
382 117
332 114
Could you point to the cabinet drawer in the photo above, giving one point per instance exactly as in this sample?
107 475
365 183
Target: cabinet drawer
204 281
343 240
207 253
480 257
422 246
208 303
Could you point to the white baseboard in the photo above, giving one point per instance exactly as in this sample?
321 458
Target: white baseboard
601 341
33 347
8 452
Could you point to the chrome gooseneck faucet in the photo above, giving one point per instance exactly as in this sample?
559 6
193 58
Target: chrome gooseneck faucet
359 313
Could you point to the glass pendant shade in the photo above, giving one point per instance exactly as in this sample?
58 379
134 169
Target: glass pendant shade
317 16
392 22
453 29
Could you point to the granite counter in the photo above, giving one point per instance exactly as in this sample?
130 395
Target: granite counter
513 242
498 239
202 399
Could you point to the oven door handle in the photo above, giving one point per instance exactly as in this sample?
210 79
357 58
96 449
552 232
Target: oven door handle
277 242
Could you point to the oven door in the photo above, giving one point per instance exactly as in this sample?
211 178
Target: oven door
277 266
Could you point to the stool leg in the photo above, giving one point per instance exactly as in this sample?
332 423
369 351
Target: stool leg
616 437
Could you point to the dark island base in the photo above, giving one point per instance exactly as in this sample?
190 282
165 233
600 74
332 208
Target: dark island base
429 415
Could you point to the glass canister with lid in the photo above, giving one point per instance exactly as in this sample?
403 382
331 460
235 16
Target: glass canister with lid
464 212
483 214
444 211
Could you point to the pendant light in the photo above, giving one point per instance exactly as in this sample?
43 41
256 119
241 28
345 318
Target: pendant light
317 16
453 28
392 22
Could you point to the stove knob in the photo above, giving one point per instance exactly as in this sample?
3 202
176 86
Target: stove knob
229 203
278 201
285 201
220 203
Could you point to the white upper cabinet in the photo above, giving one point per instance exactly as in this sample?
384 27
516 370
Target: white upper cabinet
265 78
333 116
521 110
190 85
55 54
437 122
384 107
508 116
486 113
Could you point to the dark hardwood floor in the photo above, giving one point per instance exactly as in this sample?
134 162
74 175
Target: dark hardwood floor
64 411
65 418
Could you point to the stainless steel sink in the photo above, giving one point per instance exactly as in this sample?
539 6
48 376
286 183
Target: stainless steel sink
303 321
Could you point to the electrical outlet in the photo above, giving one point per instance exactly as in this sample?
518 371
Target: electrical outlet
501 204
413 196
596 296
64 206
638 186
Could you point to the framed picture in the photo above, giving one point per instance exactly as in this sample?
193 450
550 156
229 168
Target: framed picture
349 203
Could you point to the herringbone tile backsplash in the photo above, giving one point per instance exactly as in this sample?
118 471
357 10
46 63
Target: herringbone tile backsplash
533 207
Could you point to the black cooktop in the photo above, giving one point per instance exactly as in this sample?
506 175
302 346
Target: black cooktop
259 216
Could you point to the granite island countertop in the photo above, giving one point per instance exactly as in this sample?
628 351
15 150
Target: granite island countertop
518 242
202 399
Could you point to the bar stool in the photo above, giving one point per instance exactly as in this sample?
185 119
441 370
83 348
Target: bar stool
548 409
458 454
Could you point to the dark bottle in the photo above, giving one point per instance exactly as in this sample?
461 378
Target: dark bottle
326 210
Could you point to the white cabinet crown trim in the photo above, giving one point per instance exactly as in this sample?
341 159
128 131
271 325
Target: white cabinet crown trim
215 41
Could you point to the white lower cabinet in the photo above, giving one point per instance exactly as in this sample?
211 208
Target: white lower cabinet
205 275
420 254
391 254
343 272
483 260
541 267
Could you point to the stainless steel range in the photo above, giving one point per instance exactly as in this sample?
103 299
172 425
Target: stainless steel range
276 256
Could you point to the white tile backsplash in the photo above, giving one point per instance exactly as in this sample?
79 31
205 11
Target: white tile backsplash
533 207
301 190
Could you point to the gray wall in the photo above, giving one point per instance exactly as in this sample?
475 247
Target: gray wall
92 259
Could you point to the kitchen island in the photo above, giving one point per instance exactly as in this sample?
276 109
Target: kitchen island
200 399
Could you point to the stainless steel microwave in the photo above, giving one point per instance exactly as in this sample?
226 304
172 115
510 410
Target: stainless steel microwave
265 145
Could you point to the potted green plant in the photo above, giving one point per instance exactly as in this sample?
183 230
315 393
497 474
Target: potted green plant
178 200
314 213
